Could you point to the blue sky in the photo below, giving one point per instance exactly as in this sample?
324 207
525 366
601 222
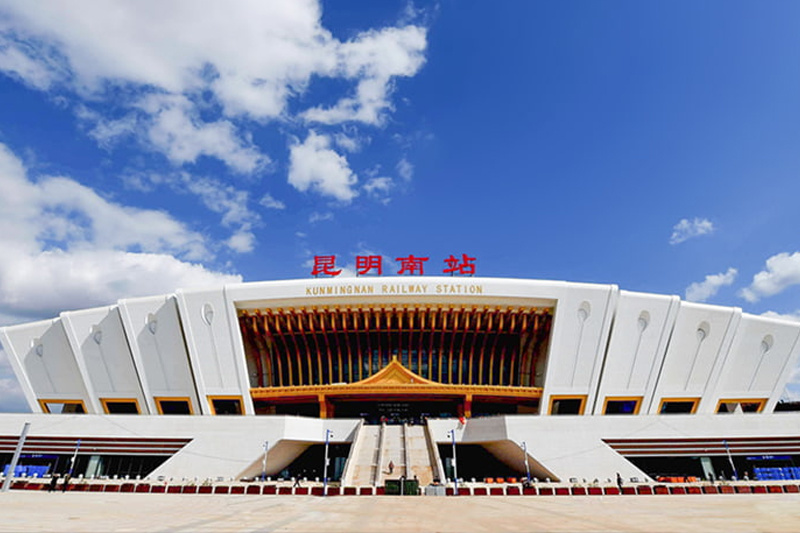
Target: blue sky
147 146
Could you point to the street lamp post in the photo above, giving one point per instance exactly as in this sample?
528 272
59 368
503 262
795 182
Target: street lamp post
452 434
74 457
730 459
328 435
527 466
13 466
264 466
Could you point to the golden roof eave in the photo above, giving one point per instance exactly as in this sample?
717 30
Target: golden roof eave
394 380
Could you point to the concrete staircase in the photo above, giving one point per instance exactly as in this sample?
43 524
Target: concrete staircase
409 448
362 464
419 451
393 450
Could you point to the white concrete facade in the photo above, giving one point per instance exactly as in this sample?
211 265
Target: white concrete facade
559 447
605 343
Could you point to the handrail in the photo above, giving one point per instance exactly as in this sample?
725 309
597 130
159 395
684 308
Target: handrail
406 456
377 473
433 450
355 447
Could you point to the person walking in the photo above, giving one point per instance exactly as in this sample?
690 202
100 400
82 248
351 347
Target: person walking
53 482
391 467
65 486
619 481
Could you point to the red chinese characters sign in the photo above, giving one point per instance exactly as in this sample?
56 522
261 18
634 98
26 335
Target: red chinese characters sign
325 265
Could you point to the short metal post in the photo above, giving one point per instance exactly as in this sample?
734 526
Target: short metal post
527 466
452 433
74 456
730 459
328 435
264 466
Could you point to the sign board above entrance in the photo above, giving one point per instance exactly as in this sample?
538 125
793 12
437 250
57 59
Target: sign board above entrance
325 265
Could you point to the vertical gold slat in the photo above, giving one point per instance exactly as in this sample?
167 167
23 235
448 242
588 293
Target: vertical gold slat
542 333
500 330
420 331
266 364
355 327
386 340
526 333
476 329
497 319
288 333
312 347
516 324
344 316
302 332
398 318
408 326
249 327
454 326
278 337
466 316
335 333
270 349
298 335
368 321
431 329
444 313
328 355
486 332
475 324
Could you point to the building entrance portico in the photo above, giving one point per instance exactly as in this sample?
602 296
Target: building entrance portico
396 410
395 392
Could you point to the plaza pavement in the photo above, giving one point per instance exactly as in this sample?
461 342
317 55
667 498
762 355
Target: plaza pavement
24 511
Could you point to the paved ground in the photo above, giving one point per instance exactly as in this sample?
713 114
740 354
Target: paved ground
88 512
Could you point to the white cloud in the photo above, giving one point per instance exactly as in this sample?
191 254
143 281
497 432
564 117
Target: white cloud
104 130
45 283
10 390
782 271
71 248
703 290
319 217
313 165
242 241
176 130
687 229
349 143
271 203
218 197
18 64
374 58
794 317
379 188
405 169
212 66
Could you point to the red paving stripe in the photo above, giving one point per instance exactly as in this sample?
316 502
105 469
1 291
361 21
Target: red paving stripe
510 490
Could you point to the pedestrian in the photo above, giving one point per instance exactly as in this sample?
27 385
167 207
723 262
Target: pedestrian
65 486
53 483
619 481
296 481
391 467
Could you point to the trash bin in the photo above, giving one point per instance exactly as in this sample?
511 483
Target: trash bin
392 487
435 490
410 487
